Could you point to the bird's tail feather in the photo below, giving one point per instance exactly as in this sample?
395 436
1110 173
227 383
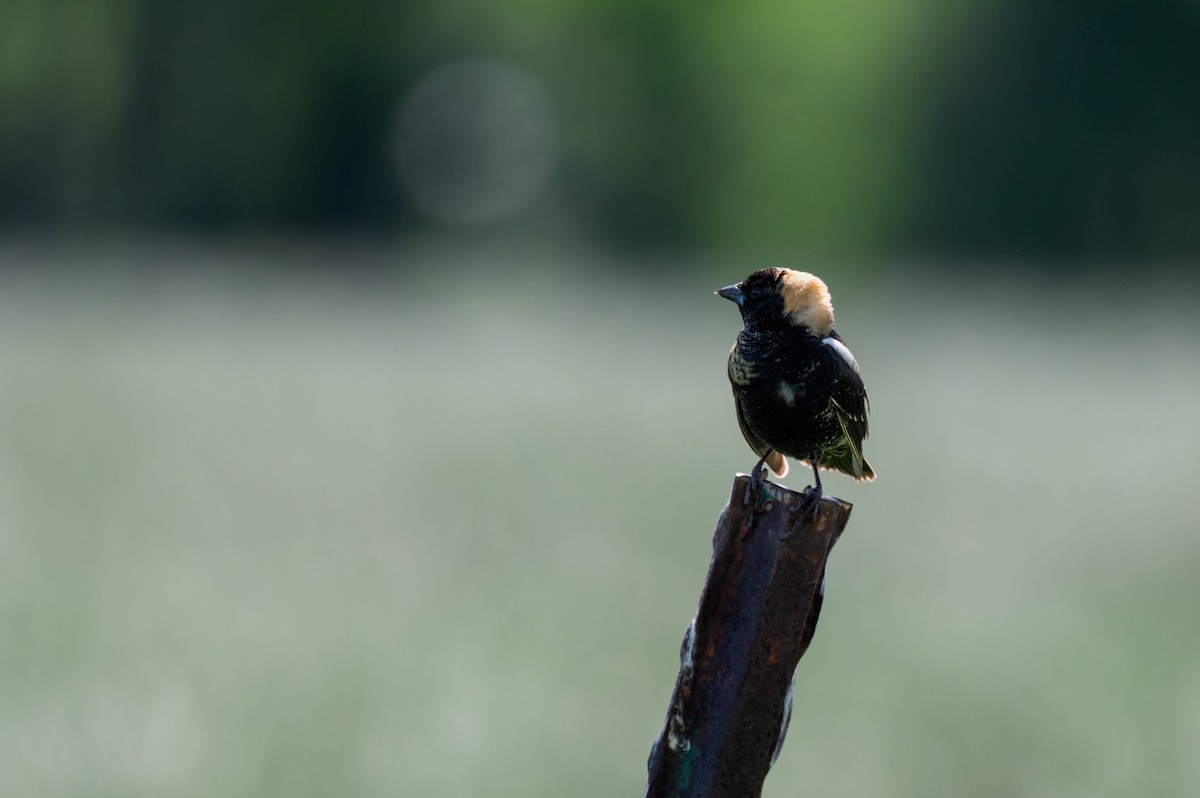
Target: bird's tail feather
846 465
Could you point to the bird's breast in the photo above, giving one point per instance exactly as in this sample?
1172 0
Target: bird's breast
741 370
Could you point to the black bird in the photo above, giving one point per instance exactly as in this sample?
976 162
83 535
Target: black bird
796 385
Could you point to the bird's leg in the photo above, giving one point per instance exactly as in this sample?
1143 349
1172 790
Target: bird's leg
813 493
752 486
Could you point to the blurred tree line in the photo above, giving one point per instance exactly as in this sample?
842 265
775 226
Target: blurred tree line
1029 129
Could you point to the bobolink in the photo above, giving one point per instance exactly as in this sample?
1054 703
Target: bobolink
796 386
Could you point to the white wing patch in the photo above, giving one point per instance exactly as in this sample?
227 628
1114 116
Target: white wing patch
843 350
787 393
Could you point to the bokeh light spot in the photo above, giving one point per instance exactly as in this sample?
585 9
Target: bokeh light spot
476 141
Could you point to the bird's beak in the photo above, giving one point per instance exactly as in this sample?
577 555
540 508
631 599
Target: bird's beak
732 293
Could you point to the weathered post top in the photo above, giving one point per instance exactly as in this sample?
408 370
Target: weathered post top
757 614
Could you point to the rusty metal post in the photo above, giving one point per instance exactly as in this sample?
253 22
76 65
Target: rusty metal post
757 614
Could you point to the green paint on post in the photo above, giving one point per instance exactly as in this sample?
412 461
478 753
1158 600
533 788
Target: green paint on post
683 776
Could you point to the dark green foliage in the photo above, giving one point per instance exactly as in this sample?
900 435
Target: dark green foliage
1071 132
1058 131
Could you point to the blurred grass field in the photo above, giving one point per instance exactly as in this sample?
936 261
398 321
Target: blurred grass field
438 532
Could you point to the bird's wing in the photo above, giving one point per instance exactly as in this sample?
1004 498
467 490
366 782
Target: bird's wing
849 394
848 457
852 440
775 461
850 406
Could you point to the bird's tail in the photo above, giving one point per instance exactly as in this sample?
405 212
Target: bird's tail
846 463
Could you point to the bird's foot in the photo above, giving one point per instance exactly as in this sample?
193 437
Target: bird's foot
754 484
811 497
810 500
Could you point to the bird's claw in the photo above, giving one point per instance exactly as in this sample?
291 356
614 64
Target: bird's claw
754 484
810 500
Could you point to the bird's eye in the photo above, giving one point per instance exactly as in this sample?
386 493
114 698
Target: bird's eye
756 293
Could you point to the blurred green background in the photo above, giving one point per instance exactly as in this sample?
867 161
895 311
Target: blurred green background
365 422
1063 131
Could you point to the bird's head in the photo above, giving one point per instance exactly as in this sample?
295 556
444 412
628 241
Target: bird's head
782 298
